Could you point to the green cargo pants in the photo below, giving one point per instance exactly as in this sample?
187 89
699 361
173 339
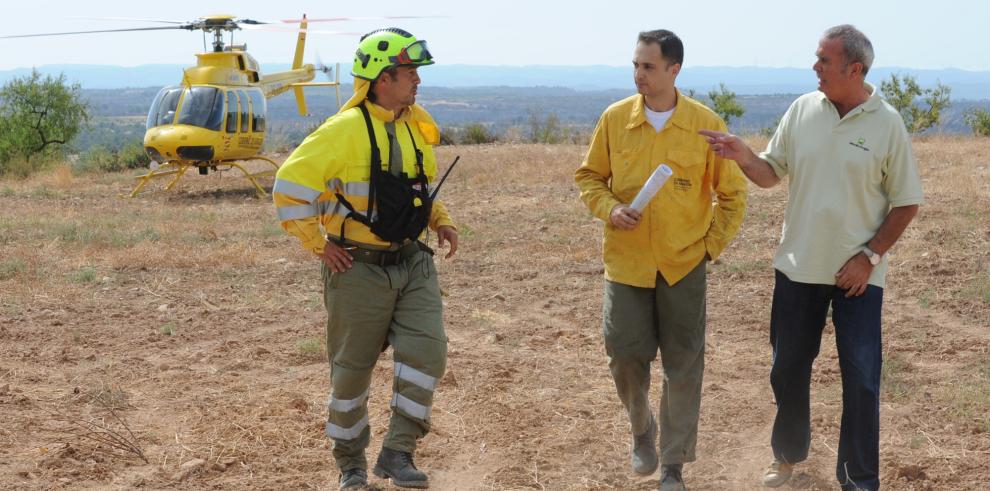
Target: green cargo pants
366 305
637 321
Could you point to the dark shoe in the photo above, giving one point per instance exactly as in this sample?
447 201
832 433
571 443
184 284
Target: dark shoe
399 467
777 474
355 478
644 453
670 478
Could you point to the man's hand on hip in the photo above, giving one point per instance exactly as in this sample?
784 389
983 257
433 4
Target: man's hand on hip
624 217
854 276
446 233
336 257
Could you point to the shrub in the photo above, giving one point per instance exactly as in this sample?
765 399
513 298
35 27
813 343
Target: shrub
979 121
477 133
103 159
546 130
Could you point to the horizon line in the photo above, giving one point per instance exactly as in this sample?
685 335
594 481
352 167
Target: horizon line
766 67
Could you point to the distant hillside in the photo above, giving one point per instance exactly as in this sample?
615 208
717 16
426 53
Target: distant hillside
742 80
120 112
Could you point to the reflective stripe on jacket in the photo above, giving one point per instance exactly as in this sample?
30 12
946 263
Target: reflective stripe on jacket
337 158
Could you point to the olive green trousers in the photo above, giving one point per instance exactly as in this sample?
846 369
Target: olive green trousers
638 321
368 305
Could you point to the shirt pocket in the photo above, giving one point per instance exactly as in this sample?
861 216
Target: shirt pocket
688 168
628 175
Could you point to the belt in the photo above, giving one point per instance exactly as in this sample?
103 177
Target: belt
387 258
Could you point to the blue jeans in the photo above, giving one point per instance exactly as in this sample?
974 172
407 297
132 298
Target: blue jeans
796 322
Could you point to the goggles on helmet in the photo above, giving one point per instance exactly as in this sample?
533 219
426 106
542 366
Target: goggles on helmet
414 54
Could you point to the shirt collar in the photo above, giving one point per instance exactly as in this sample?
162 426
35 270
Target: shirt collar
680 118
872 102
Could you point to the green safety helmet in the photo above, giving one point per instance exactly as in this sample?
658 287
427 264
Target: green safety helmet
386 48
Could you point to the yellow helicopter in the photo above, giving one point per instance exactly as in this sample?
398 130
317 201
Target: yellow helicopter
216 118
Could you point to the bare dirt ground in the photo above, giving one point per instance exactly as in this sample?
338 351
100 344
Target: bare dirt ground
174 341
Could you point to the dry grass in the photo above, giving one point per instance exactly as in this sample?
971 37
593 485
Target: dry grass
201 324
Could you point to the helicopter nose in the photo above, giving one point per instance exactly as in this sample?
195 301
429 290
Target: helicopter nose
177 142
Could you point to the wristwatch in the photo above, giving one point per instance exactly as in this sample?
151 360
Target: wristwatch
872 256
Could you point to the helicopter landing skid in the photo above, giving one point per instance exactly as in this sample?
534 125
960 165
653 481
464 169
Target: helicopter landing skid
179 168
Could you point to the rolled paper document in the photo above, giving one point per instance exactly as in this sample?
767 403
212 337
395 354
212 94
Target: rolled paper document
653 184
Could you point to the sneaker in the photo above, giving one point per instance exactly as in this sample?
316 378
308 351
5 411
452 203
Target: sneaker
671 479
644 452
355 478
777 474
399 467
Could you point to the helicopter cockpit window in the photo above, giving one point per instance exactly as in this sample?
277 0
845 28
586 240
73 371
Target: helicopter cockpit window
245 111
203 107
258 104
231 112
163 109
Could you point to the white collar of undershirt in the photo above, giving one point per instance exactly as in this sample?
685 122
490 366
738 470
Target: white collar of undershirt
657 119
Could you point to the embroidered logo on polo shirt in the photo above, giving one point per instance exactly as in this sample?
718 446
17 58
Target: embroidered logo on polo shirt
860 144
681 183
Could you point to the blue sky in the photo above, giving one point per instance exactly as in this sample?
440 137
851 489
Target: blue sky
769 33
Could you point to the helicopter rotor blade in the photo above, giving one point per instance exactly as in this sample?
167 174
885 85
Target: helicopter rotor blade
162 21
250 27
344 19
252 22
188 27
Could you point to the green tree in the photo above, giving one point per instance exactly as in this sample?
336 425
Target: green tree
979 120
904 92
724 103
38 115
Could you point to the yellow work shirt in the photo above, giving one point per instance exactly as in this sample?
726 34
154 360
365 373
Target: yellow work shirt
681 224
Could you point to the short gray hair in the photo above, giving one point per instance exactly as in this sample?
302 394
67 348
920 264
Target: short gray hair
855 45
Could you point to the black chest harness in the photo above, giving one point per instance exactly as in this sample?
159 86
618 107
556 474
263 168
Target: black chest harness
398 206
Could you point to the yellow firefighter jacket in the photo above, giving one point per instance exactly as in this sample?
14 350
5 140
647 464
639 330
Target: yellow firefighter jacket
337 158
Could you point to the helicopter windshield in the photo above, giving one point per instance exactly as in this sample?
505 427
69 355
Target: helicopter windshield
203 107
163 109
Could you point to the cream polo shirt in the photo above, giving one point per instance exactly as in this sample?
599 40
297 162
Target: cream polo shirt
844 176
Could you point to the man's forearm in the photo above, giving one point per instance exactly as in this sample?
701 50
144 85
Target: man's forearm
892 227
758 171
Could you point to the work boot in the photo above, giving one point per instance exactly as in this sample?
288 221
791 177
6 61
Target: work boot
399 466
644 453
670 478
777 474
354 478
